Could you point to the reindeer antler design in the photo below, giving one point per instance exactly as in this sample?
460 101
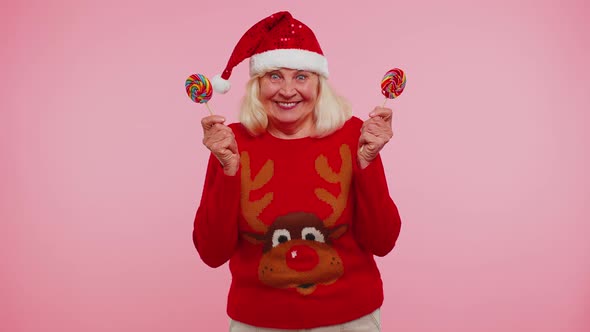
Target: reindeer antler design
251 209
338 203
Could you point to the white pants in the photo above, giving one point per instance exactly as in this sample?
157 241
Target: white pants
368 323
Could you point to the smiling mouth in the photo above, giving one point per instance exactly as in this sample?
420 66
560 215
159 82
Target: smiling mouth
306 285
306 289
285 105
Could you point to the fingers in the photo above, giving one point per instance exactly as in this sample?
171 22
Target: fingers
216 134
385 113
213 128
368 142
218 137
209 121
378 127
375 133
222 144
368 149
219 143
233 146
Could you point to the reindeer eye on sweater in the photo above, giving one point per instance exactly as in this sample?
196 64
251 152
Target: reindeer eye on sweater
280 236
312 234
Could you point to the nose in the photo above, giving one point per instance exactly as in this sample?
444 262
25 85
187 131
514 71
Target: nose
302 258
288 89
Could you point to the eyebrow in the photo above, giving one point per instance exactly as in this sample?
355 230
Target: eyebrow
296 73
299 71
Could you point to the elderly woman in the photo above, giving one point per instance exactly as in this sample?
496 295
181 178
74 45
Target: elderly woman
295 195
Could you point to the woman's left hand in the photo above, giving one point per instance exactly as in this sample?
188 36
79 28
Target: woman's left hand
375 133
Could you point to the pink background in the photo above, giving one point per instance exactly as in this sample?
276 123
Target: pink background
102 163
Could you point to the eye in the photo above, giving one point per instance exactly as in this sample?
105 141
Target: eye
301 77
312 234
280 236
274 76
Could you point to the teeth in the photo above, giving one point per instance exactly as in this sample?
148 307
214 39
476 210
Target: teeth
287 104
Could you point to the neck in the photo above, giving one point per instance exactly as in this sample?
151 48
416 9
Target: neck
290 131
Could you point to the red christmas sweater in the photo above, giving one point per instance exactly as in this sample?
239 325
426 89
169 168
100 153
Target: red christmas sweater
299 223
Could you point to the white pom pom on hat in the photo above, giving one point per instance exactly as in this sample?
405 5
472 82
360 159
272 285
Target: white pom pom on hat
220 85
278 41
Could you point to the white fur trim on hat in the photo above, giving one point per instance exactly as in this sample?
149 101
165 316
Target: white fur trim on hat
220 85
289 58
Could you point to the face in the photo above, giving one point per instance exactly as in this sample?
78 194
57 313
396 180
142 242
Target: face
289 97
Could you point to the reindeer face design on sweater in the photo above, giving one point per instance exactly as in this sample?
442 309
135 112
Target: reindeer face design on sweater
297 247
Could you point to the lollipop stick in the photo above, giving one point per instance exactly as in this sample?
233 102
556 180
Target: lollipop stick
383 105
210 112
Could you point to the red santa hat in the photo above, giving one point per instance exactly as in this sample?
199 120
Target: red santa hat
277 41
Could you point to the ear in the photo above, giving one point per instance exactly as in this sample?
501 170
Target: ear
337 231
254 238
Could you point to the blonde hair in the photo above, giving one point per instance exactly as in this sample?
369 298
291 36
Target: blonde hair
330 113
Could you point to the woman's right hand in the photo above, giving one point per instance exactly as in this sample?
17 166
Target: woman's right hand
220 140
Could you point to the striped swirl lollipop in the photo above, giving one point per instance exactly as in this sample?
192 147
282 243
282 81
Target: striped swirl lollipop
199 89
393 83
